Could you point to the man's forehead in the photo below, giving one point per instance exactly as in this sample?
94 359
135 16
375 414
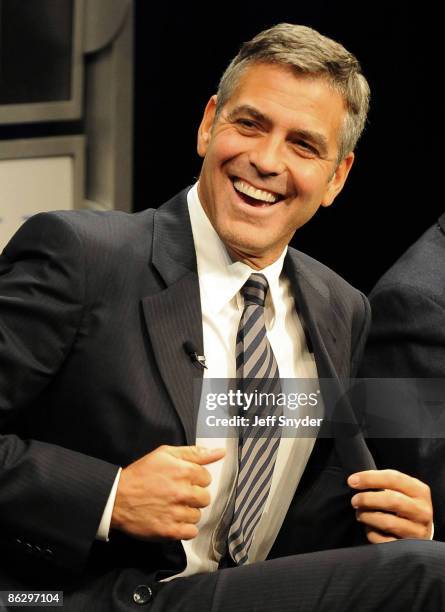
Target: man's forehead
316 103
283 72
260 79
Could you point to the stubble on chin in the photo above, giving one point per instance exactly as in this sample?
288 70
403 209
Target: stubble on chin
244 248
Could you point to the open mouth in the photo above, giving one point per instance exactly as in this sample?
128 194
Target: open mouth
253 196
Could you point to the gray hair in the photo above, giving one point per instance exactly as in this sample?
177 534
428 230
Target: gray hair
307 52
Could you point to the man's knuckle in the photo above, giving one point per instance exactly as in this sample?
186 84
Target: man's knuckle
176 513
205 477
183 471
389 522
393 478
174 531
188 532
167 530
427 512
196 474
394 501
425 489
205 498
195 515
392 473
178 495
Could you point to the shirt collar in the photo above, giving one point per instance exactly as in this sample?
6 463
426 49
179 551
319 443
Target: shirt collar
220 278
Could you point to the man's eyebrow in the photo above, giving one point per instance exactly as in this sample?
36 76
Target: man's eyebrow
246 109
319 140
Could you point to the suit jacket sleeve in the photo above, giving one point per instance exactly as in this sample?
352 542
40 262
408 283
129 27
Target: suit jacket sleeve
51 498
407 336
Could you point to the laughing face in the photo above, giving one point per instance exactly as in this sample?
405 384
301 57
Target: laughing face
270 160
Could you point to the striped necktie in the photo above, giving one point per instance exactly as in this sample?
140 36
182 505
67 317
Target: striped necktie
256 372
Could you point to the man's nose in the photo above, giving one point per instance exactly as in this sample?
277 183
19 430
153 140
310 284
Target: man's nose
267 156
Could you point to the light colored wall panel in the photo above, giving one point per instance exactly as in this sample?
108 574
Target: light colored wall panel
38 175
28 186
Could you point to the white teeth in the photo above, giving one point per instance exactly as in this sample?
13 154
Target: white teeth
258 194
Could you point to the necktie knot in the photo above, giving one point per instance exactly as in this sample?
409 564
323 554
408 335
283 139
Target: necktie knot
254 290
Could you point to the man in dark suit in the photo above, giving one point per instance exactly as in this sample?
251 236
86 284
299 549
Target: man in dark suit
407 341
106 322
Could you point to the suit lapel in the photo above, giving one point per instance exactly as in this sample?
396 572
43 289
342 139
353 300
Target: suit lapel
323 327
320 322
173 316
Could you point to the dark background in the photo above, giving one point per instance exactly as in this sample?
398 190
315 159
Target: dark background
35 51
394 191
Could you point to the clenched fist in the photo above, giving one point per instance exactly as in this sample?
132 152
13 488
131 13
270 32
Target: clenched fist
160 495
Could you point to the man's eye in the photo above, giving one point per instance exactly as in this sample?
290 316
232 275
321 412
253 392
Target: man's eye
247 123
305 146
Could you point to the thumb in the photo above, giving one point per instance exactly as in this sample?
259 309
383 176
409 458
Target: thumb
198 454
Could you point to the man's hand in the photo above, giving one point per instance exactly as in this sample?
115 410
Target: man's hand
160 495
400 507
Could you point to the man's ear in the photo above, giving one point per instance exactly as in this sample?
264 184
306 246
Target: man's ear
205 129
338 179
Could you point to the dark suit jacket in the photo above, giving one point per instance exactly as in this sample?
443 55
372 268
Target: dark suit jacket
407 340
94 312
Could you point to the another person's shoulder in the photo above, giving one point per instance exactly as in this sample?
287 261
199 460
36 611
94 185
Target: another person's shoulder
420 269
323 278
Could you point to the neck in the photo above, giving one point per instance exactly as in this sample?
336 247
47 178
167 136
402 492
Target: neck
256 262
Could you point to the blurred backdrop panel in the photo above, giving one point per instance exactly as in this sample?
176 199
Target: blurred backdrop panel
66 107
36 48
41 60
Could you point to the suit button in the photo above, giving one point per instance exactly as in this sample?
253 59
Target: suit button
142 594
